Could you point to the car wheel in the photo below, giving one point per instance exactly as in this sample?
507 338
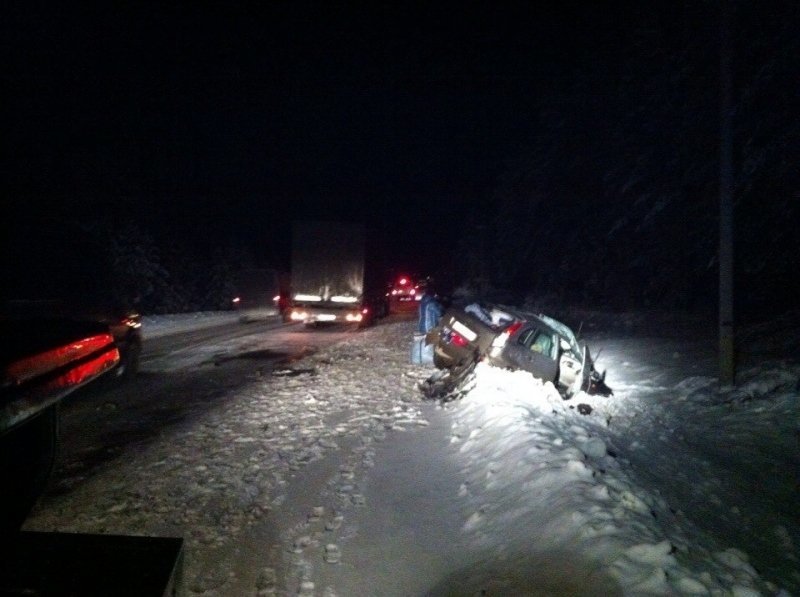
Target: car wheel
439 361
129 359
448 384
27 454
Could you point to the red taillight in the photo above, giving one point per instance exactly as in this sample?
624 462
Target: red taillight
27 368
86 371
458 339
365 310
500 340
513 328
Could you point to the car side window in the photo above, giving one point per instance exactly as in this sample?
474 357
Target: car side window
539 341
526 337
543 343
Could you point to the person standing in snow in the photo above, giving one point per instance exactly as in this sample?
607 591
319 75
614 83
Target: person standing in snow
430 310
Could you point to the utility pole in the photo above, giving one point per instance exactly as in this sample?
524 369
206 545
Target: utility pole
483 268
726 329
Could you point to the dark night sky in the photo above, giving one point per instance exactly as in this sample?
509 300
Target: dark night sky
233 121
224 122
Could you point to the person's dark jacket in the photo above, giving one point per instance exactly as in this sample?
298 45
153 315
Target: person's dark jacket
430 311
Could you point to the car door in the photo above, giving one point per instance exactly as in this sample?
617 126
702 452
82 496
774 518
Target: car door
533 349
586 369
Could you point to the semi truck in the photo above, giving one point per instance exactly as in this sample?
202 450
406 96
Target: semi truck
327 273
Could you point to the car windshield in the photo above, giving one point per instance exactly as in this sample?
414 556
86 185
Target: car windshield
564 332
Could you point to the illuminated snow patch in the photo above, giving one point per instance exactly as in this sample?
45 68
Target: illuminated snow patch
535 467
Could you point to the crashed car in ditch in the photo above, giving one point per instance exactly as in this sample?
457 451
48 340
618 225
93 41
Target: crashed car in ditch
512 339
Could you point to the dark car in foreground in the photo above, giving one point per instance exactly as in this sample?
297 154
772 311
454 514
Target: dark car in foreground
41 362
505 337
124 325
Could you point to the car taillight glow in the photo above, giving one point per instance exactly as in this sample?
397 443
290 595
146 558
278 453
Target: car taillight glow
513 328
458 339
27 368
501 339
236 300
87 370
464 331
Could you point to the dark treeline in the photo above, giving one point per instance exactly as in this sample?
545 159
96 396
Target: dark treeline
615 202
97 260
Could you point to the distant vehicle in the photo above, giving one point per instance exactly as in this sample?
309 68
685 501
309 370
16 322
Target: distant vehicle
258 294
123 324
327 277
503 337
374 306
404 294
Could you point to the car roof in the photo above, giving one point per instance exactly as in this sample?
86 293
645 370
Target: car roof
545 321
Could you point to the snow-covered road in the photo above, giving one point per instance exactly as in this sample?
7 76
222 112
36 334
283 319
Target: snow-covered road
332 477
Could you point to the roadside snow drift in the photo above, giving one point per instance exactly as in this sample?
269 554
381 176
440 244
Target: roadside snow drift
541 480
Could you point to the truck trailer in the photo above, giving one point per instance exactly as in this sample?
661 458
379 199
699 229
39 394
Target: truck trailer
327 276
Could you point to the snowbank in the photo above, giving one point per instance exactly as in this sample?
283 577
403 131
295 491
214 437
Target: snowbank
541 479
